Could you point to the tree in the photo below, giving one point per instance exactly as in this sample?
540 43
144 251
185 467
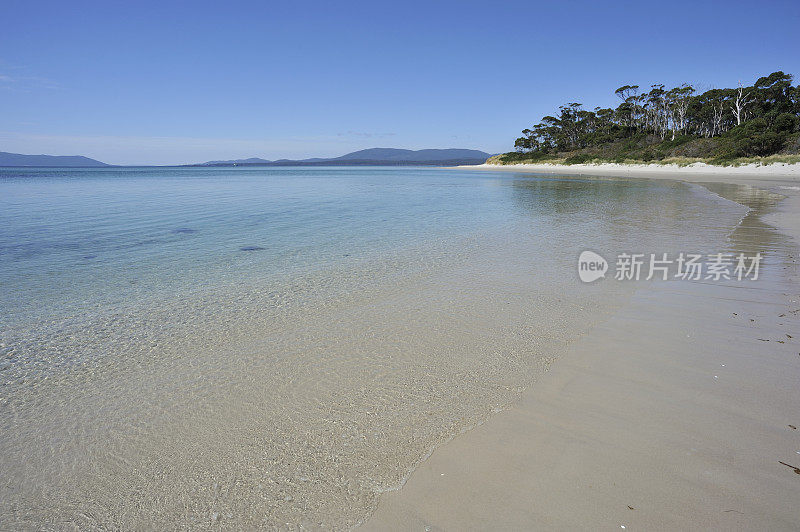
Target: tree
741 99
678 105
754 120
629 94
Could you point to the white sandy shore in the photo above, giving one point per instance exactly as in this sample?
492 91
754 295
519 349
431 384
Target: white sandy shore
776 170
678 413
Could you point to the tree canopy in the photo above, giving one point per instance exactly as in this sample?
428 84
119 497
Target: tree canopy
755 120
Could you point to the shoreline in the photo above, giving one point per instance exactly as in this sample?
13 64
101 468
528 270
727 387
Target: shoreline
631 428
305 403
778 171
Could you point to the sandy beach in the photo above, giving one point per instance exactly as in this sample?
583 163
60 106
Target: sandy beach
750 173
262 267
681 411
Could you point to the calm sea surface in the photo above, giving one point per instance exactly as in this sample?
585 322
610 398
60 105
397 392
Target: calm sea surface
185 347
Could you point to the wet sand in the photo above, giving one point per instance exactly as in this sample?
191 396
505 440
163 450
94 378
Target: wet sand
679 412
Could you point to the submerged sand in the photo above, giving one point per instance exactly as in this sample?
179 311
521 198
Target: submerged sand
679 412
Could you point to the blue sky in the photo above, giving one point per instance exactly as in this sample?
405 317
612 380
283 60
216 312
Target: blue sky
178 82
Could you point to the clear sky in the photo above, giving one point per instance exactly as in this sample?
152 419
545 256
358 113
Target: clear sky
140 82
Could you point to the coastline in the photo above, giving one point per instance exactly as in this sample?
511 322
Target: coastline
779 171
677 412
306 402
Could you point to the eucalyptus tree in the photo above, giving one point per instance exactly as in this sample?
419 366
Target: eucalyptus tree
742 98
678 100
629 94
752 120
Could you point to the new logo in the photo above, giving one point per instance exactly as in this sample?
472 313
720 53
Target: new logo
591 266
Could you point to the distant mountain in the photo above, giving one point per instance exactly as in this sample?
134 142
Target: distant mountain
373 156
394 154
251 160
17 159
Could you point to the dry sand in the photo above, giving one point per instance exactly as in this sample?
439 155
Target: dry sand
679 412
689 172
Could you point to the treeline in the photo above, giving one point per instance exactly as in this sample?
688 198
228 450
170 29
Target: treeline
756 120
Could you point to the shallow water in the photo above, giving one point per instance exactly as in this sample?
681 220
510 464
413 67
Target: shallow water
276 347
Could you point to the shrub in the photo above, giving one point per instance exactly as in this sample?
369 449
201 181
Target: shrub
755 138
647 155
785 123
578 159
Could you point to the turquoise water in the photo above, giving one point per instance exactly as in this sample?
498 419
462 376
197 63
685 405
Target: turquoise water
251 347
92 236
76 237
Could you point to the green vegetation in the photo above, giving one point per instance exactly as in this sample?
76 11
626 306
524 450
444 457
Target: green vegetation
758 123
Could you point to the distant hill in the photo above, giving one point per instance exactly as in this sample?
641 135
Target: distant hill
394 154
373 156
18 159
251 160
